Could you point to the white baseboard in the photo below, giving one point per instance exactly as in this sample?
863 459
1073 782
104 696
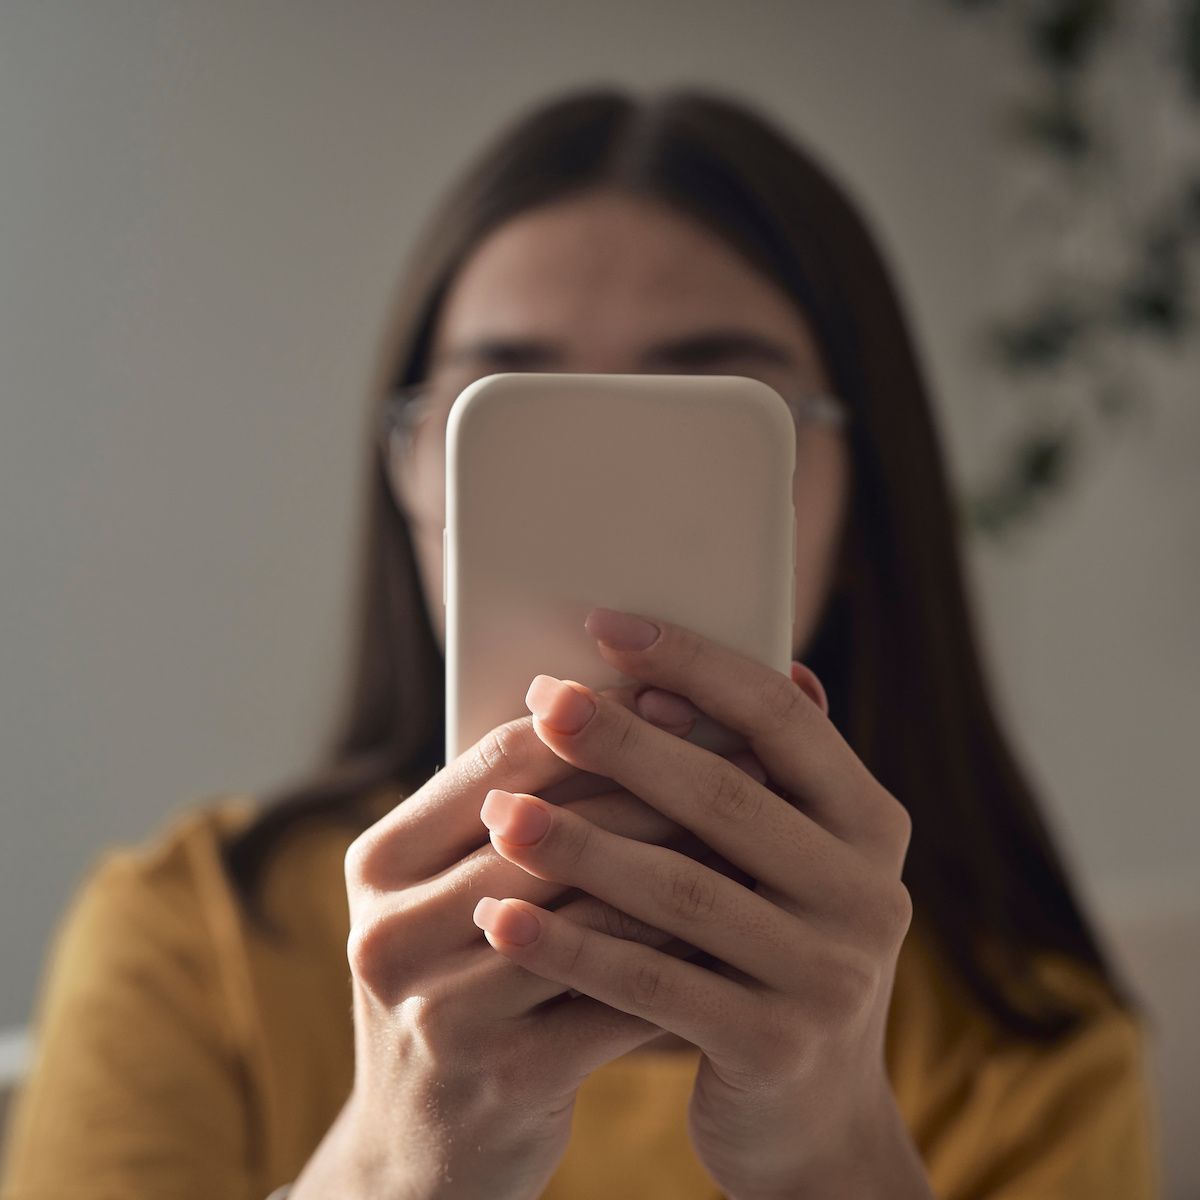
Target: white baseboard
16 1054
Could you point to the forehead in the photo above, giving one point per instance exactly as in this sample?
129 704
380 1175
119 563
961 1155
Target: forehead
611 271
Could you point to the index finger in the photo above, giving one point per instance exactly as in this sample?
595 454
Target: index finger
438 824
792 737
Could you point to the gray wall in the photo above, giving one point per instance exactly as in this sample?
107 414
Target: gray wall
202 208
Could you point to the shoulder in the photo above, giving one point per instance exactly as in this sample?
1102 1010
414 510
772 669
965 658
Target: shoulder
1055 1118
931 1002
175 860
157 927
177 878
139 1024
183 861
147 894
934 1019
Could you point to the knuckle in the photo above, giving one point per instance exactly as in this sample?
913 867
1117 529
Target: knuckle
360 952
605 918
625 696
376 860
621 925
630 929
509 1075
370 952
691 650
902 820
433 1016
626 815
626 735
688 894
853 986
648 988
355 862
505 749
892 825
896 910
571 840
729 794
613 922
575 951
782 700
779 1041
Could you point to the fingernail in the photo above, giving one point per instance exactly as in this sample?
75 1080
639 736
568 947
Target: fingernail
514 818
665 708
558 705
620 630
506 921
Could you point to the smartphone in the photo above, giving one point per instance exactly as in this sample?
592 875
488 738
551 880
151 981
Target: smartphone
663 495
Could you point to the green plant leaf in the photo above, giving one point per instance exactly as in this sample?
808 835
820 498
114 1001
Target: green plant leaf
1041 341
1056 126
1189 204
1042 460
1063 33
1187 44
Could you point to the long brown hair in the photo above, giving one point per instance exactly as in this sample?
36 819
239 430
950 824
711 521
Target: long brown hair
895 648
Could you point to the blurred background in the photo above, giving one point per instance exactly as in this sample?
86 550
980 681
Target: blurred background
204 206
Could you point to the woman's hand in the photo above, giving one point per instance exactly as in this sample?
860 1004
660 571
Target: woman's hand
464 1079
791 1098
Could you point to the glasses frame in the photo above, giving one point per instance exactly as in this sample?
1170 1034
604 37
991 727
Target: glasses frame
405 408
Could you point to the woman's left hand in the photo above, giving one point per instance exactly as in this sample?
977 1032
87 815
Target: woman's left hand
791 1097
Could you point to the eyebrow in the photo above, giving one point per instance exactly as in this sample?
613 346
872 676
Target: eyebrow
694 350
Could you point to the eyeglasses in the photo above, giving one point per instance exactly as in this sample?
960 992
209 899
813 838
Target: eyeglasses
417 414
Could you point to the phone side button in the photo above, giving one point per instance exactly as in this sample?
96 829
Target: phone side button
793 583
793 568
444 569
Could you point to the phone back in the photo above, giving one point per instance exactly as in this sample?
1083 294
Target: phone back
663 495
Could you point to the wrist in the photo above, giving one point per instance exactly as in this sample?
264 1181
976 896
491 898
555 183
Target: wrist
355 1161
337 1166
872 1157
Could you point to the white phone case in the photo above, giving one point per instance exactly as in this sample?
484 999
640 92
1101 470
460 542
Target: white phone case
663 495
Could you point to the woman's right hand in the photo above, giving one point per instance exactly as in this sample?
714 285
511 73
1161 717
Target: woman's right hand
465 1074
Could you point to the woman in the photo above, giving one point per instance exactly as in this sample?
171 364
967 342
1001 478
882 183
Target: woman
888 990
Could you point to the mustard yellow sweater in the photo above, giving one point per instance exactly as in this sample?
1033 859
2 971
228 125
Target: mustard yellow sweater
181 1056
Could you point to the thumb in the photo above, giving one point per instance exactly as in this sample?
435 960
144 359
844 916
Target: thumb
811 686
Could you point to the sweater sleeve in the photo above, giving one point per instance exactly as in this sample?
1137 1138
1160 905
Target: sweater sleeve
135 1088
